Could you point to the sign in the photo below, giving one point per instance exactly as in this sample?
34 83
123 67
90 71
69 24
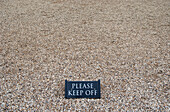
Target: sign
82 89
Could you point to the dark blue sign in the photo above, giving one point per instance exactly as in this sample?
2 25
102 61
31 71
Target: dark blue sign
82 89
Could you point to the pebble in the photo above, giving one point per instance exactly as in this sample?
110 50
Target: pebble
122 43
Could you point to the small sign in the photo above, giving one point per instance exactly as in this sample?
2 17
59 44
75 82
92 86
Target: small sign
82 89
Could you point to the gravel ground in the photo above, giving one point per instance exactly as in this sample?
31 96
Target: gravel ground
124 43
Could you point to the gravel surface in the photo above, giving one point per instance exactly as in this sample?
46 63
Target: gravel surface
124 43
